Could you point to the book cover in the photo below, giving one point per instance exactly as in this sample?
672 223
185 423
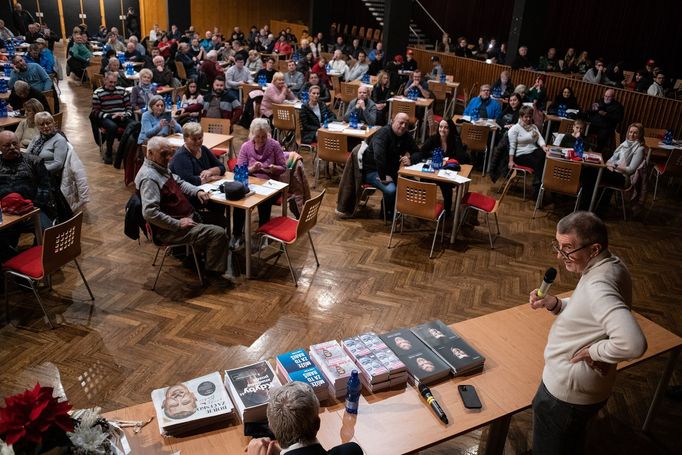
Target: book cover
382 352
202 398
333 361
297 366
422 363
449 346
369 366
250 385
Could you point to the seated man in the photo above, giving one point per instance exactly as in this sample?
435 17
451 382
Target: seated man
268 71
359 69
188 61
111 110
237 76
338 63
483 105
132 54
221 104
210 67
165 206
26 175
79 56
422 87
410 63
293 78
604 117
31 73
363 106
293 416
390 147
44 58
657 89
355 49
549 62
22 92
161 74
521 60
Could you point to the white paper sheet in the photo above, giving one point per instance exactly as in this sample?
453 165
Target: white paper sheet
454 176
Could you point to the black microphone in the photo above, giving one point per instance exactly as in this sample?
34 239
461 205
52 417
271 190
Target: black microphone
547 281
426 393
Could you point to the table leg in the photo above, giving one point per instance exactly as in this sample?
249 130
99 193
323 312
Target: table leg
549 128
453 105
662 384
497 435
285 204
455 222
37 228
596 189
425 121
247 246
487 158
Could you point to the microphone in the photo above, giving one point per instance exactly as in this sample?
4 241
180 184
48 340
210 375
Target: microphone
547 281
426 393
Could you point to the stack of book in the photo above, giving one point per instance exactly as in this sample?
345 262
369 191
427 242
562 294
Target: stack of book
379 367
422 363
296 366
249 387
460 356
334 364
191 405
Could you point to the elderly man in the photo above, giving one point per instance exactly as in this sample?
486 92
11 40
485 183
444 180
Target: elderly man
161 74
604 117
521 60
80 56
167 208
111 110
388 148
338 63
132 54
219 103
207 42
483 105
33 33
21 19
5 33
359 69
210 67
593 331
363 107
548 62
31 73
237 75
184 56
113 42
293 415
26 175
293 78
40 54
22 92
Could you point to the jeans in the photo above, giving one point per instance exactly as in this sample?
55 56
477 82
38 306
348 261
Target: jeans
560 427
388 189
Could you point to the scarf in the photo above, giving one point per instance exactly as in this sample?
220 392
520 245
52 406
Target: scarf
37 145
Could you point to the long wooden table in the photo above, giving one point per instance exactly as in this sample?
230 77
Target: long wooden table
9 220
399 421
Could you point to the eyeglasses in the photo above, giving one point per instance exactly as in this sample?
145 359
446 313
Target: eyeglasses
567 254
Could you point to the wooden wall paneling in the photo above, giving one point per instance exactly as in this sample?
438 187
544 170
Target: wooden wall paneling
296 28
652 111
153 12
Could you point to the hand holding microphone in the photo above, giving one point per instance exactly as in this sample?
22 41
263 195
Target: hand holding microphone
540 297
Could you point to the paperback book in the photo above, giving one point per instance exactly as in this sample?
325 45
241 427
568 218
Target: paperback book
249 387
422 363
450 347
297 366
334 364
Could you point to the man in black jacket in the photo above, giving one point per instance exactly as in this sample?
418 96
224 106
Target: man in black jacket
605 116
390 147
21 19
22 92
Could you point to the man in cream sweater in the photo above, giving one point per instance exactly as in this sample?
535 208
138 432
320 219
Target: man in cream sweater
593 331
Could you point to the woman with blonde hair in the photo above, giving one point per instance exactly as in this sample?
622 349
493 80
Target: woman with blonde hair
254 62
275 93
49 145
26 130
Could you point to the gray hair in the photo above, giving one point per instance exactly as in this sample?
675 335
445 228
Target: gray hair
153 100
293 413
586 226
21 86
43 116
520 89
259 124
147 71
191 129
156 143
211 55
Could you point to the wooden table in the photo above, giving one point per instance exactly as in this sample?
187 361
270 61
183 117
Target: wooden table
211 140
7 122
399 421
434 177
352 132
9 220
658 148
247 204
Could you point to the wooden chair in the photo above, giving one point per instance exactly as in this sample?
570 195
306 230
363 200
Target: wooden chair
312 148
91 71
560 176
671 167
61 244
465 96
282 66
440 93
244 91
286 231
182 73
354 31
284 123
97 81
348 93
58 117
487 205
217 126
178 92
406 107
418 199
49 96
336 92
332 148
475 137
566 126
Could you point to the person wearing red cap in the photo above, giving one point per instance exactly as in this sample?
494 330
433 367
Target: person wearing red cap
410 63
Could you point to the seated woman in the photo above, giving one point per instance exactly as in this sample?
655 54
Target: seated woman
142 92
196 164
155 122
254 62
521 90
265 159
526 146
538 93
50 145
510 114
320 68
578 131
380 95
314 79
508 118
105 61
191 105
165 46
312 115
275 93
27 130
503 87
583 63
566 98
448 140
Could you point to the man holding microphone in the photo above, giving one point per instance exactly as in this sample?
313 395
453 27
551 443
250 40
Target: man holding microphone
593 331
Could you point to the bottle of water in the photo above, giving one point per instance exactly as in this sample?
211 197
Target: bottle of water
169 103
442 78
353 393
3 109
561 110
365 78
579 147
10 49
3 86
329 67
178 104
437 159
262 80
668 138
353 120
8 69
121 57
474 115
305 97
326 121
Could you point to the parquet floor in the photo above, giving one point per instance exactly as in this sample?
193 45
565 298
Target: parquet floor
132 340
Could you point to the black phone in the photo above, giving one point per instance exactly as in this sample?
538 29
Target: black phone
469 396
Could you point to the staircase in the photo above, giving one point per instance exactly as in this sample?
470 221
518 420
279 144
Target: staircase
417 36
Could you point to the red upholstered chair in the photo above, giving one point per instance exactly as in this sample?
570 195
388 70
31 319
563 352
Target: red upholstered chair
418 199
286 231
61 244
488 205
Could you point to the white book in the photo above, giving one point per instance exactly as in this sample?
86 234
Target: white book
453 175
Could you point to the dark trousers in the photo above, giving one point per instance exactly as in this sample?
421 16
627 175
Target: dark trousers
609 178
559 427
111 126
239 218
536 161
9 237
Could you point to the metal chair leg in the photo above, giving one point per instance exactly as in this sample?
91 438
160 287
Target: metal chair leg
40 302
87 286
163 259
390 237
6 298
490 231
291 268
196 264
312 245
435 236
156 256
541 193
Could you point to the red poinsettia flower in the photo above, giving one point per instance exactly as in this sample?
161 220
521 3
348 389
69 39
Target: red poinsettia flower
27 416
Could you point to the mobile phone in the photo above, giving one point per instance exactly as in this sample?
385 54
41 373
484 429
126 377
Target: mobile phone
469 396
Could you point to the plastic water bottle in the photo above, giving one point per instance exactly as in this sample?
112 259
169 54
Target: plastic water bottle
169 103
442 78
579 147
178 104
121 57
262 80
365 78
474 115
353 393
437 159
8 69
3 109
129 69
326 121
353 120
3 86
668 138
305 97
561 110
10 49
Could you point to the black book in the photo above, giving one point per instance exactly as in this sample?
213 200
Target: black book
422 363
450 347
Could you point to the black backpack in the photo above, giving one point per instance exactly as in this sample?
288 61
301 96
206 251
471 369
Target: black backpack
128 141
134 221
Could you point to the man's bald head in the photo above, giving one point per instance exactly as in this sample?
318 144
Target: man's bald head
400 123
9 145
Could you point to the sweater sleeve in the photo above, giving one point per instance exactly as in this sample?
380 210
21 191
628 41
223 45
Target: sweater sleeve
513 136
182 167
59 149
150 194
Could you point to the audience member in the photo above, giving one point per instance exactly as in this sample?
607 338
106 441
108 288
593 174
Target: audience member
220 103
5 33
27 130
570 59
269 70
483 105
359 69
312 115
410 63
132 54
445 44
156 121
320 68
577 131
22 19
564 98
50 146
237 75
143 92
293 78
31 73
503 87
656 89
526 146
195 163
462 49
275 93
338 63
166 206
187 60
436 69
604 117
597 74
254 63
22 92
43 57
549 62
114 66
376 63
363 107
521 61
583 63
111 110
510 115
537 93
355 49
191 104
314 79
161 74
380 95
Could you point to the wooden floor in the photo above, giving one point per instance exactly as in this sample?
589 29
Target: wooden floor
132 340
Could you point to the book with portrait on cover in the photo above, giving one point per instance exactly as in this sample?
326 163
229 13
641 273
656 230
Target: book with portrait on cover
450 347
249 387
